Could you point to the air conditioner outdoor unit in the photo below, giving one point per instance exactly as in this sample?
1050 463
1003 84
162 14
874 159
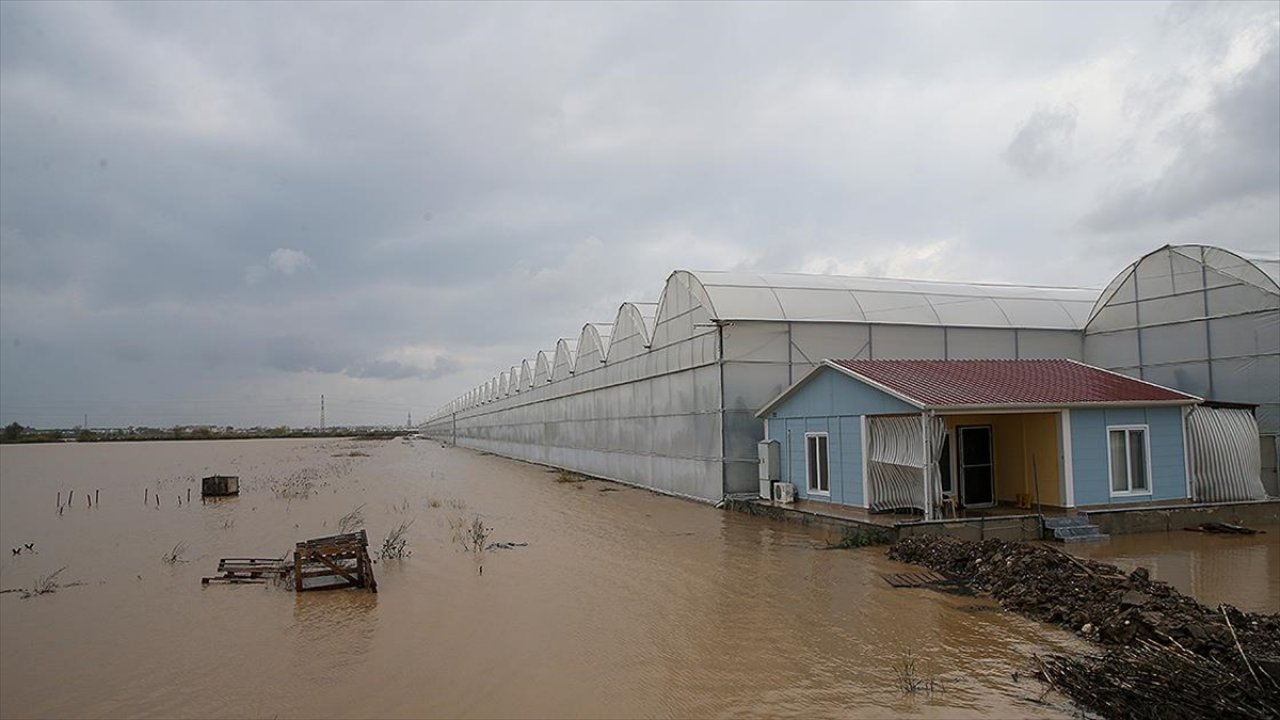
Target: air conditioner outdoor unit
784 492
769 466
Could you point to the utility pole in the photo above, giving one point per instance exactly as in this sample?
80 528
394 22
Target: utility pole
322 412
409 423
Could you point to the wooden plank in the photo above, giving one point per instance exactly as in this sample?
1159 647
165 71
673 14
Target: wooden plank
339 570
232 581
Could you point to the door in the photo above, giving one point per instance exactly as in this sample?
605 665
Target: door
976 466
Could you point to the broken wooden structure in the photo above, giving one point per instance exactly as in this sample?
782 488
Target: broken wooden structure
248 571
220 485
336 561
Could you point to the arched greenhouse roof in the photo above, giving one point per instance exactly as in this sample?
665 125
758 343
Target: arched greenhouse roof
593 345
1198 265
834 298
566 354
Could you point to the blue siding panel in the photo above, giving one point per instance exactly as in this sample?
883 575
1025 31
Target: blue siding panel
1089 453
832 393
831 402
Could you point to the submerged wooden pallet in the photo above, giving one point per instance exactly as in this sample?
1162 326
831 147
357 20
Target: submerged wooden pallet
241 571
336 561
915 579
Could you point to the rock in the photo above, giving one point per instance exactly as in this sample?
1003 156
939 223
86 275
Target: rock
1133 598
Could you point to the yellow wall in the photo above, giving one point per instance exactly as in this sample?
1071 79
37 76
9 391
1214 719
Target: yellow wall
1016 439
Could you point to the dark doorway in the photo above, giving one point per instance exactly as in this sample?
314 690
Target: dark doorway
976 466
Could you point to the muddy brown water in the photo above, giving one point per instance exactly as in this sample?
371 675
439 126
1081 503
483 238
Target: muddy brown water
623 604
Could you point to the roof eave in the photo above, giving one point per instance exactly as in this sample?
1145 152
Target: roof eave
975 408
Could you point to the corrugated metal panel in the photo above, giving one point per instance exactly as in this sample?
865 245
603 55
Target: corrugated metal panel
1226 460
896 462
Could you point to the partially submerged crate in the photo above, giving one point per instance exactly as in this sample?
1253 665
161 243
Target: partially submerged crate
336 561
220 485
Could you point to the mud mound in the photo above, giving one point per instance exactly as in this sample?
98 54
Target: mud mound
1151 628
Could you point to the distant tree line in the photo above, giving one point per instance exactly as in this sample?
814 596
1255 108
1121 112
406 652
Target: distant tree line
16 433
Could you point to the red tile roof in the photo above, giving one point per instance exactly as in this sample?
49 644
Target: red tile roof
955 383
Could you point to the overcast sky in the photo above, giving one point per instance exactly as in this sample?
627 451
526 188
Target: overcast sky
218 212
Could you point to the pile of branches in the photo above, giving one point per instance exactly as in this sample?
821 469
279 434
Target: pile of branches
1151 630
1149 680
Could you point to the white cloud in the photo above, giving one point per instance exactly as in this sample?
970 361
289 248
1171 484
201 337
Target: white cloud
282 261
286 261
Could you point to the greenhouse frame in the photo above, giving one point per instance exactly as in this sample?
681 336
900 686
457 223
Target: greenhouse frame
665 396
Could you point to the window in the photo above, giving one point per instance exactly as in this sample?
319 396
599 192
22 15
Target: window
1128 459
816 463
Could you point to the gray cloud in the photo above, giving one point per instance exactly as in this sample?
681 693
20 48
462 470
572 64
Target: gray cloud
1042 142
393 370
1230 155
155 158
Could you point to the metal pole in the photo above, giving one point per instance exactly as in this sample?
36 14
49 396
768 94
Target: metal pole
924 471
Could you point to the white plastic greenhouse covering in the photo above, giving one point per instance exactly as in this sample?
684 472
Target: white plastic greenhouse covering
665 396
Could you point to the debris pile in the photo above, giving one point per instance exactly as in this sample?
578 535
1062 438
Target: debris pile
1169 655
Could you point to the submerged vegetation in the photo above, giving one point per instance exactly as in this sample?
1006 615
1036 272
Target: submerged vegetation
396 544
352 521
46 585
471 534
911 678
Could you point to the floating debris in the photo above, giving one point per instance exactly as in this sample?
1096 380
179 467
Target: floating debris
336 561
1221 528
326 563
249 570
218 486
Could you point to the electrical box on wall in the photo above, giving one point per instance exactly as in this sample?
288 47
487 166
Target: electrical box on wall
769 467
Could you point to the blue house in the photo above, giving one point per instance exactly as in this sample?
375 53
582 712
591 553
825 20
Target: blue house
896 434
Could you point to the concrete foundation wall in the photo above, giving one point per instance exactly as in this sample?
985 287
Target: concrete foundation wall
1142 520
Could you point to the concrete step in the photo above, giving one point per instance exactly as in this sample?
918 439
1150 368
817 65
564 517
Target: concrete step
1097 537
1075 531
1059 521
1072 529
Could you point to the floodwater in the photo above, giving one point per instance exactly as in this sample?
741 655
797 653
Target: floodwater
623 604
1241 570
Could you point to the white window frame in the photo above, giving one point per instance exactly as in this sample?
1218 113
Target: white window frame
1146 456
823 472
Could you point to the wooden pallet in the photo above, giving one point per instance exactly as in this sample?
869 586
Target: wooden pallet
915 579
337 561
248 571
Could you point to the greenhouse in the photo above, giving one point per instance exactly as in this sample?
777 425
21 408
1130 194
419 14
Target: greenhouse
665 396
